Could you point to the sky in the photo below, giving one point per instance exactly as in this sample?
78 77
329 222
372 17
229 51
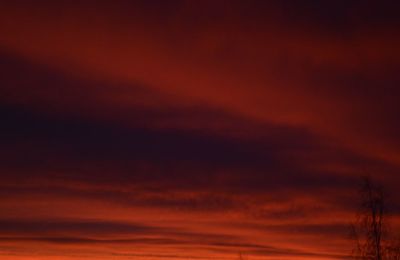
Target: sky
186 129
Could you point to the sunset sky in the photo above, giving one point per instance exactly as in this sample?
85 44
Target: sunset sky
166 129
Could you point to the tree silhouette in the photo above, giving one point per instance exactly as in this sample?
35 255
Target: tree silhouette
369 231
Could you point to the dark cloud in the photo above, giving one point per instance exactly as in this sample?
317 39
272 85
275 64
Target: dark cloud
66 143
48 227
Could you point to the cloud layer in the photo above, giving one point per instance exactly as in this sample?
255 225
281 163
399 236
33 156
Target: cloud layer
194 130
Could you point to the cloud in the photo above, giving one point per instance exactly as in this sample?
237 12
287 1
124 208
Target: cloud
270 65
75 160
79 233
